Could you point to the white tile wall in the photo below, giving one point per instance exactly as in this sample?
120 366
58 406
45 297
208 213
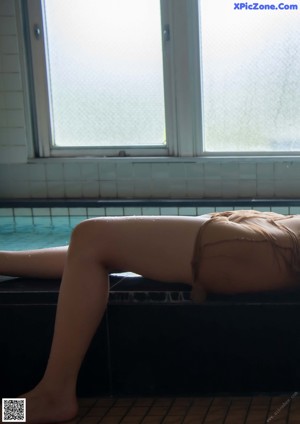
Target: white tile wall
247 171
265 186
142 170
73 190
55 189
54 172
10 63
9 44
230 188
90 189
115 178
126 189
7 25
265 171
13 136
39 188
248 188
7 8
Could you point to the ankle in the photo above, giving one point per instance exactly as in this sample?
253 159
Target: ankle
45 407
56 390
56 378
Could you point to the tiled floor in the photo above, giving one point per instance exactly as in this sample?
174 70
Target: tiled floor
198 410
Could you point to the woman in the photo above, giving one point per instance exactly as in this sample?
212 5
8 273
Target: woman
229 252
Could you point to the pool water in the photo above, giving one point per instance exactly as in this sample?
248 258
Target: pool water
36 228
33 237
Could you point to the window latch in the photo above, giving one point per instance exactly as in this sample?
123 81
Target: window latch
37 31
166 33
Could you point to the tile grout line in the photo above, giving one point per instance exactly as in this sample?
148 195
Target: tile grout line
227 411
248 410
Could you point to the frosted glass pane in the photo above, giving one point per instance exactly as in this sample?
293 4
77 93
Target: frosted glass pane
105 72
250 78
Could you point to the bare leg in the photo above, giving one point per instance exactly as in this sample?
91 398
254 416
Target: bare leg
158 248
44 263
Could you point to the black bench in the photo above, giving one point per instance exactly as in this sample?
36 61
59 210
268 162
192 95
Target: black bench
154 341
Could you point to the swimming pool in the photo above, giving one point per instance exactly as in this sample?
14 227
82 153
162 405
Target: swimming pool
28 237
34 224
147 321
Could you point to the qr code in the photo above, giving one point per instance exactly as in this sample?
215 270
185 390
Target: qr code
13 410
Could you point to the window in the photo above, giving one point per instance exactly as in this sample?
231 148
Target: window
105 72
251 84
164 77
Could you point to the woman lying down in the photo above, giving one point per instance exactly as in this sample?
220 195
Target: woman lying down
227 252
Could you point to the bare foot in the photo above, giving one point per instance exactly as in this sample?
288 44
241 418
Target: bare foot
43 408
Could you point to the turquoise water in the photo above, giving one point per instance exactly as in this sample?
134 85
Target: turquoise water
41 229
36 232
30 237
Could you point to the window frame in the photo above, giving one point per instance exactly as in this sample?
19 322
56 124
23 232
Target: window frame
180 70
180 31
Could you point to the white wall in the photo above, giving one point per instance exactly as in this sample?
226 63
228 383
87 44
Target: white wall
21 177
13 137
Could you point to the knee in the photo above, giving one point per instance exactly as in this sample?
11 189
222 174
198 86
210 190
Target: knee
83 230
90 238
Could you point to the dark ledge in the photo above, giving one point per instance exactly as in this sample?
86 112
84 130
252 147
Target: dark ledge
246 202
132 289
